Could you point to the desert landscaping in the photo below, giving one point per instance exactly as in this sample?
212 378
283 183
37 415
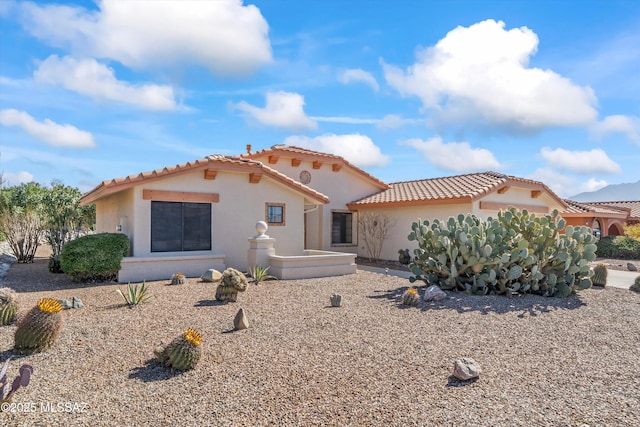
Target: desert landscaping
545 361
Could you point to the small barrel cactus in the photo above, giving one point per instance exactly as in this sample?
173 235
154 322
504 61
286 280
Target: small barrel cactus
336 300
8 306
410 297
599 275
183 352
233 281
39 328
178 279
636 285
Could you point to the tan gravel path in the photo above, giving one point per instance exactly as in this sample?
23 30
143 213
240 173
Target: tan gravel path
555 362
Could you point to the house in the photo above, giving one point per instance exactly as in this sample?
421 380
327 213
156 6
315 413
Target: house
199 215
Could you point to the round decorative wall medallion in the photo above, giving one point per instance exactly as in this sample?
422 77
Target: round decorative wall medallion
305 177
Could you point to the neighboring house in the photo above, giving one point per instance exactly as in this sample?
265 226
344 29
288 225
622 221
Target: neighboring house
632 206
199 215
604 219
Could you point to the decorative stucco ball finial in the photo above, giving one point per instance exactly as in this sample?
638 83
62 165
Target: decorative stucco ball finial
261 228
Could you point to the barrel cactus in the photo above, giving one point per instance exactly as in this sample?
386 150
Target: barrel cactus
182 353
233 281
410 297
178 279
8 306
336 300
39 328
636 285
599 275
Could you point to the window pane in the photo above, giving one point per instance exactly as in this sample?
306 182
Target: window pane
341 228
197 227
275 214
179 226
166 226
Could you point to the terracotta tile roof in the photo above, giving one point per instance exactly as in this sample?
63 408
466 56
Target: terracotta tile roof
462 188
593 209
215 162
633 206
293 152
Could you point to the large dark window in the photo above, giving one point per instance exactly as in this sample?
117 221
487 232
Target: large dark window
341 228
177 226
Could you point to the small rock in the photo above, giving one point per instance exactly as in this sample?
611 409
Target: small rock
211 276
240 321
631 267
466 368
66 304
77 303
434 293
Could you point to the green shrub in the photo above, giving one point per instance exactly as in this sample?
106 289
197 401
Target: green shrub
95 257
517 252
618 247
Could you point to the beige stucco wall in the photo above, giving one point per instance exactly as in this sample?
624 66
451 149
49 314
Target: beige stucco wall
518 196
341 187
116 214
241 204
402 218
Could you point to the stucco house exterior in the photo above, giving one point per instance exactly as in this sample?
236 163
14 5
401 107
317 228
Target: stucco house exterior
199 215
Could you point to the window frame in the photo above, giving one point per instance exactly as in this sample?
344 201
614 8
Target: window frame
268 205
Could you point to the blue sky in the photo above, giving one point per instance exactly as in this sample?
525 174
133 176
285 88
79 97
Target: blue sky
406 90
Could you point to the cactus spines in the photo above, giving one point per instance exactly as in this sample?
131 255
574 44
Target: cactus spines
39 328
599 275
233 281
8 306
336 300
182 353
410 297
178 279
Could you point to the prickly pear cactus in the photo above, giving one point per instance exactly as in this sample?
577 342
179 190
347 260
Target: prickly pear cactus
517 252
599 275
8 306
39 328
182 353
233 281
410 297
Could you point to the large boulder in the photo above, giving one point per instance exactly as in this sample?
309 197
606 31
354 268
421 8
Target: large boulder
211 276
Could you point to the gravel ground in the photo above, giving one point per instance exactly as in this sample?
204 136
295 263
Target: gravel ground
555 362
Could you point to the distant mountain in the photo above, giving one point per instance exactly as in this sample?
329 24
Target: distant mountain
611 193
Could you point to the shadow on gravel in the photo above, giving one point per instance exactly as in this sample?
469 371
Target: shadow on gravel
209 303
35 277
153 371
455 382
531 305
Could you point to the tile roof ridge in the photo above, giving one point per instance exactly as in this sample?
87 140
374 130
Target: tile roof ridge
490 173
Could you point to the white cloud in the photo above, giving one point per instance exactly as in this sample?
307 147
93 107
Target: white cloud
88 77
224 35
358 76
564 185
48 131
393 121
282 110
454 156
480 75
355 148
582 162
628 125
11 179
